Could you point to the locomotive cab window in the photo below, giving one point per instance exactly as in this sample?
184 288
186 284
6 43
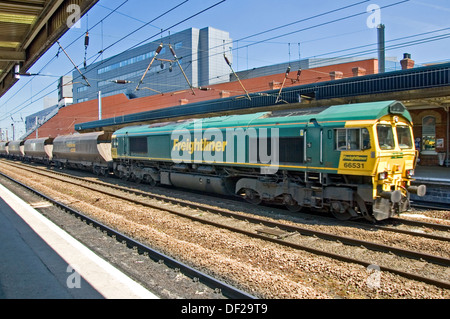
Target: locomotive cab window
352 139
114 142
404 137
385 137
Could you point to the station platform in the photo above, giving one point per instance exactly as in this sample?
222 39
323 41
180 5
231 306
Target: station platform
432 174
39 260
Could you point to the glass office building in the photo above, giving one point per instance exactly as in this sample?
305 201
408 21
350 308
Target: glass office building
201 57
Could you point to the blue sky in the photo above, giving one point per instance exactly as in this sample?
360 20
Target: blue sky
265 32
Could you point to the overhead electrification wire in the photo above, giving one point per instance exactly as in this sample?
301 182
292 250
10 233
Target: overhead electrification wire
283 26
276 28
184 20
303 20
54 57
388 47
174 25
389 41
318 25
300 30
162 31
107 16
402 45
140 28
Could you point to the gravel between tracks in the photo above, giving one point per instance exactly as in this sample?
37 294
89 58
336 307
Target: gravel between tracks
261 268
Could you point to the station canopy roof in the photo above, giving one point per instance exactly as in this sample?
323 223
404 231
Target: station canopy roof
28 29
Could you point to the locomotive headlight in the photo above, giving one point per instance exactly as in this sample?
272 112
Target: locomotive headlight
383 175
409 173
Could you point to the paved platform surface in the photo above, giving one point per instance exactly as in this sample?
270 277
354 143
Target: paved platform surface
38 260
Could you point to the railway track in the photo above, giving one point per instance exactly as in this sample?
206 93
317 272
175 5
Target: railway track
393 224
276 232
430 205
219 286
389 225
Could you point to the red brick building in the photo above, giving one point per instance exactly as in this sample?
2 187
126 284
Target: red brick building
429 107
115 106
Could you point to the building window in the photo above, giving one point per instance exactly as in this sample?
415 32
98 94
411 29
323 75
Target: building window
429 134
130 61
82 89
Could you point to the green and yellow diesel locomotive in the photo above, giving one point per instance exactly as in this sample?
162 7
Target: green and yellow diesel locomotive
354 160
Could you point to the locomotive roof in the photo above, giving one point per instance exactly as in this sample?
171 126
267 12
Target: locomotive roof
364 111
332 114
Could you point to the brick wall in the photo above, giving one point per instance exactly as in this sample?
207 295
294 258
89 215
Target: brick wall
441 132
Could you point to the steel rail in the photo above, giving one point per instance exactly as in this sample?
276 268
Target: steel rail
226 289
431 205
256 220
342 239
402 273
422 224
436 227
439 227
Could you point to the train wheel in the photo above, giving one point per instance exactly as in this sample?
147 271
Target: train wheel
342 216
123 176
341 211
291 204
252 197
295 208
96 170
149 180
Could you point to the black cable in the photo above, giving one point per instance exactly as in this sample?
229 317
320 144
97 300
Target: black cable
129 34
51 60
318 25
303 20
300 30
184 20
374 44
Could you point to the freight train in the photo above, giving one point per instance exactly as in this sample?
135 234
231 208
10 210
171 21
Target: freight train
354 160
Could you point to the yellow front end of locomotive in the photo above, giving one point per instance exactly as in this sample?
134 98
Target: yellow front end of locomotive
394 171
